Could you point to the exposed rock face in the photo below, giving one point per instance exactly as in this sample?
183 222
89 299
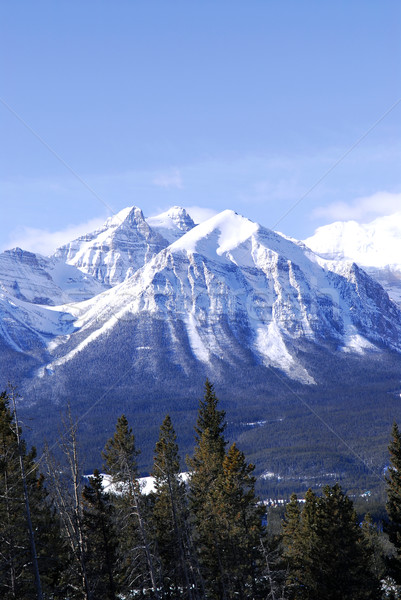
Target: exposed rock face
115 251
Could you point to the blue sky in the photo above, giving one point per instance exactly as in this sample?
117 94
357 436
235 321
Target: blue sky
224 104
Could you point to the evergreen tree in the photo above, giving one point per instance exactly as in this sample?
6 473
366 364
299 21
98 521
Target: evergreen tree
238 517
225 510
207 462
120 456
344 566
393 506
137 563
17 578
327 553
170 518
374 541
101 539
293 543
206 468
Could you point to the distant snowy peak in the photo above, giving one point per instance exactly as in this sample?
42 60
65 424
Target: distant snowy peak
376 246
115 251
171 224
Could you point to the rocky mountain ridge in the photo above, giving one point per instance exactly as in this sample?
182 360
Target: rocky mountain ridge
231 287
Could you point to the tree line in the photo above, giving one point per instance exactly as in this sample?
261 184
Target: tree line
207 537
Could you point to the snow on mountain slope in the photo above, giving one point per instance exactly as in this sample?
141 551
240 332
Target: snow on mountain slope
116 250
77 285
171 224
41 280
25 276
28 327
230 291
376 246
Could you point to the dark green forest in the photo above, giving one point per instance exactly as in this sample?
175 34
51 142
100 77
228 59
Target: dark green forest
206 536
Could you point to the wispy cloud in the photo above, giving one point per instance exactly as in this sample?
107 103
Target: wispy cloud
44 241
361 209
171 179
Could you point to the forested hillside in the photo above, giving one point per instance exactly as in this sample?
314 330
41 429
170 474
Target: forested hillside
207 536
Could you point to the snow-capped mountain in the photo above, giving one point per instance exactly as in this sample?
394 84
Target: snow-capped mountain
229 291
226 291
116 250
376 246
172 224
133 317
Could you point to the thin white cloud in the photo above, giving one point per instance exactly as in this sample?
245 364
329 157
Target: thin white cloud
169 180
44 241
200 214
360 209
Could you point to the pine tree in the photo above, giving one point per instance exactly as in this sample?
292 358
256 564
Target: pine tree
344 560
207 462
393 506
17 578
101 539
226 513
327 553
293 543
238 518
375 546
206 468
300 543
137 562
170 518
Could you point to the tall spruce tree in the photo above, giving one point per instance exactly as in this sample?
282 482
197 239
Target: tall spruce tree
240 533
17 576
101 539
327 552
137 562
206 468
207 462
226 513
170 519
393 506
293 544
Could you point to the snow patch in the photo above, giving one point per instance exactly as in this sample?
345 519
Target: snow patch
270 344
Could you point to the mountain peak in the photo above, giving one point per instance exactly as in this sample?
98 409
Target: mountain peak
376 246
117 249
131 215
227 228
172 224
